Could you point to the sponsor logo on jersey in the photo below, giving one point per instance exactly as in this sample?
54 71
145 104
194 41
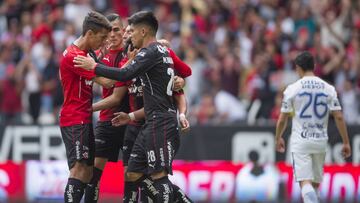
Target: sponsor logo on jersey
89 82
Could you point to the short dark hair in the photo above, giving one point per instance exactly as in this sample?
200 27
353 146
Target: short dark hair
146 18
305 61
112 17
96 22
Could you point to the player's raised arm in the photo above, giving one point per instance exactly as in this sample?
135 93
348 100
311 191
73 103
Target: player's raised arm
182 68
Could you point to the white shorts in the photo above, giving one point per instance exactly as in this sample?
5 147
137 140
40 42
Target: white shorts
308 166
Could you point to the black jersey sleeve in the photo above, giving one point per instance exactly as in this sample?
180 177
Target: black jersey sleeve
144 61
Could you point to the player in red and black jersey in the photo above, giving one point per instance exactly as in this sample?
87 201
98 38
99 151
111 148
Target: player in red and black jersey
158 140
76 114
134 125
108 138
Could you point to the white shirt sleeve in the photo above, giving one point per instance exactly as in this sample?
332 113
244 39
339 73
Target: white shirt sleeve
286 104
334 104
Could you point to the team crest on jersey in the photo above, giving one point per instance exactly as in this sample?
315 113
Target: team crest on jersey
65 52
142 54
161 49
336 103
89 82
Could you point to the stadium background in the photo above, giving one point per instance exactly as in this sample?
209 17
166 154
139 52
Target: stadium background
241 55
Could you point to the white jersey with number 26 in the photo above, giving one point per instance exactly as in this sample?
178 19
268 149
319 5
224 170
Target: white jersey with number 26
310 99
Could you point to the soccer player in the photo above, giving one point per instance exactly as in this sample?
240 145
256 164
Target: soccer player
136 118
158 140
310 100
76 114
108 138
135 92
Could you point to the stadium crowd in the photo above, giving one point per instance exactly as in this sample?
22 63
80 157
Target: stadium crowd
240 52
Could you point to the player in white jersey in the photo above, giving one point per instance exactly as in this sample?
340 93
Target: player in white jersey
309 101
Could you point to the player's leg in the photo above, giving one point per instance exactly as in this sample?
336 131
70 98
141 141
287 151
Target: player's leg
318 161
131 134
80 174
136 173
108 142
80 147
161 151
303 172
180 196
93 188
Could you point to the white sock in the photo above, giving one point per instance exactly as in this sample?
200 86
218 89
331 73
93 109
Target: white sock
308 194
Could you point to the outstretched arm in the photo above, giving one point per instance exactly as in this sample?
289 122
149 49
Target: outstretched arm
111 101
141 63
123 118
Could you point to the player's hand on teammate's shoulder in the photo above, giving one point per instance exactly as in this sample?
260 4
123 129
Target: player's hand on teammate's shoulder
87 63
346 151
179 83
184 123
121 118
280 145
164 42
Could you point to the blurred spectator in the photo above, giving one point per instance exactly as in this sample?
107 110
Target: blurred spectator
205 112
229 108
10 89
240 51
32 79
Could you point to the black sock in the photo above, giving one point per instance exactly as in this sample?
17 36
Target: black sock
164 186
130 193
148 188
92 189
143 197
74 191
180 196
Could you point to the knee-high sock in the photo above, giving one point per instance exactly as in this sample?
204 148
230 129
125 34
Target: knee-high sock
164 186
180 196
92 189
74 191
309 194
130 193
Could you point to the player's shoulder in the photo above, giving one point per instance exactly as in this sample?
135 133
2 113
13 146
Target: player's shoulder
293 87
327 86
71 51
158 49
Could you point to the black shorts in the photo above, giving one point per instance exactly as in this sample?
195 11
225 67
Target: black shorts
131 134
108 140
155 146
79 143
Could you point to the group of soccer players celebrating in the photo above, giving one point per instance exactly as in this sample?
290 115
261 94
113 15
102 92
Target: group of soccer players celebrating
142 105
142 81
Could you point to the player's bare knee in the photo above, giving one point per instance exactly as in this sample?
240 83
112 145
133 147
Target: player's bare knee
304 182
159 175
132 177
100 163
81 171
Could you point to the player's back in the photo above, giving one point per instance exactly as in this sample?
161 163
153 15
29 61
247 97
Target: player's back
310 99
158 81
